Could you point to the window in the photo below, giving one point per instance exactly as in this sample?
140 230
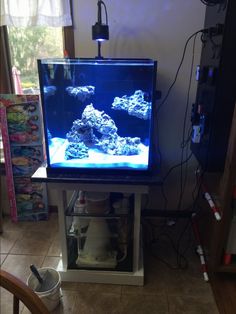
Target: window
27 14
27 44
51 43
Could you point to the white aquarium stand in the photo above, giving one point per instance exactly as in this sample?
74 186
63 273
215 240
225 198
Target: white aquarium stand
65 187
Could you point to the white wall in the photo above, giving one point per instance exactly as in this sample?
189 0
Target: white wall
155 29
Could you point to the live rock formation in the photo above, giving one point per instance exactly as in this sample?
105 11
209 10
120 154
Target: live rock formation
93 121
135 105
81 92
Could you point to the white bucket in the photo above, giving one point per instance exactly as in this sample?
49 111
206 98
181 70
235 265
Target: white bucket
50 298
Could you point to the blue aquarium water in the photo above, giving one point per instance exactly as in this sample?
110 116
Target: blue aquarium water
98 114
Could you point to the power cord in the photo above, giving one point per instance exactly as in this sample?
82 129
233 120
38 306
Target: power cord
167 175
105 8
212 3
185 142
179 67
183 174
181 260
163 235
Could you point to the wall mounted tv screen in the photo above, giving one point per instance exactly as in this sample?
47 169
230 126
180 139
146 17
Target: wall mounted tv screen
98 114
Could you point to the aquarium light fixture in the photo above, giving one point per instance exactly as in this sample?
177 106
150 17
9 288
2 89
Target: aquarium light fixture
100 31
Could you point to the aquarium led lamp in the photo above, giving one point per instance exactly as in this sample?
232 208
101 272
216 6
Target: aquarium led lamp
100 31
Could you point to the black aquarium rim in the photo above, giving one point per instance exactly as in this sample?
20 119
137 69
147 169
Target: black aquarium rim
103 61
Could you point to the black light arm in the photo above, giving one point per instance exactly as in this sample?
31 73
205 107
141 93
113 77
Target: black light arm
100 31
100 12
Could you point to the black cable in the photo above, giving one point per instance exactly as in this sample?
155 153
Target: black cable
188 92
197 190
181 260
180 255
164 100
187 141
179 67
199 180
184 141
164 197
183 181
166 176
176 166
210 3
105 11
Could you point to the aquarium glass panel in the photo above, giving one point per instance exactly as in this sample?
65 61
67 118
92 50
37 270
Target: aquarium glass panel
98 114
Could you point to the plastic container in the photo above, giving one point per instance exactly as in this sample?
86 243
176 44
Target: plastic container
97 203
79 207
50 298
79 223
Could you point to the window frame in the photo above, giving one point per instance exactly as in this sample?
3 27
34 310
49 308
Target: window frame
6 81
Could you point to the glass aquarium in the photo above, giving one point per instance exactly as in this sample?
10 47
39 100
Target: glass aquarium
98 114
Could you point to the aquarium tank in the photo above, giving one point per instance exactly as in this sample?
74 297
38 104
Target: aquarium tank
98 115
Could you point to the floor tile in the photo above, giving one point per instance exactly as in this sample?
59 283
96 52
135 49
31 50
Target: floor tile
150 304
92 287
8 224
192 305
51 261
19 265
6 302
155 279
2 258
50 224
8 239
32 243
104 288
178 281
48 228
97 303
67 303
73 286
87 303
55 248
183 282
165 291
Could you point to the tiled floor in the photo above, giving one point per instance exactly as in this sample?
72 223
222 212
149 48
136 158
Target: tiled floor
165 291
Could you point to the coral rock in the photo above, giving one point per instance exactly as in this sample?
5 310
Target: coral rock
135 105
82 133
76 150
81 92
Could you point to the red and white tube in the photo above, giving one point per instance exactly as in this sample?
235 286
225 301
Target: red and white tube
211 203
203 262
199 249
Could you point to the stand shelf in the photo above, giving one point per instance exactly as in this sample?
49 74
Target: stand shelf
133 277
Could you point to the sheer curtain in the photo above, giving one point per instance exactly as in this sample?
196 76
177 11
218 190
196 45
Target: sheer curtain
24 13
55 13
